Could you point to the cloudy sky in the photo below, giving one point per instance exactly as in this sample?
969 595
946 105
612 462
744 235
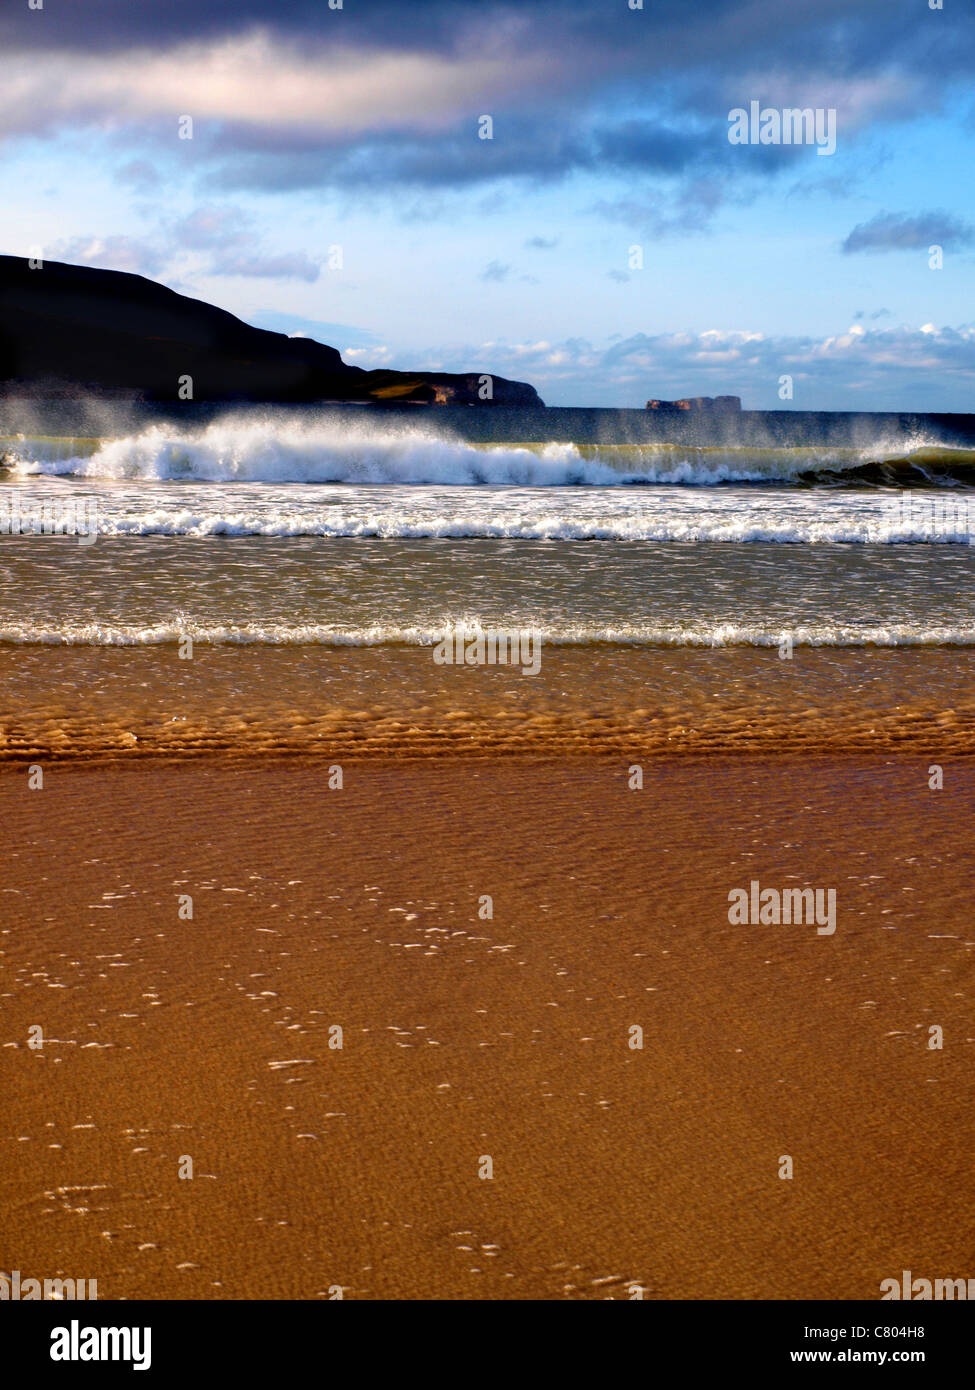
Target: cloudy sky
336 183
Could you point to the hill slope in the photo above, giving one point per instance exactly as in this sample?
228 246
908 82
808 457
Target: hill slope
77 331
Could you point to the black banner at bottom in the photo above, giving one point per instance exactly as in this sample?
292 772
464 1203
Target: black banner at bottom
59 1341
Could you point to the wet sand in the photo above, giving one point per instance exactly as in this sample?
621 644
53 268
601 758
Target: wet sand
317 1167
91 703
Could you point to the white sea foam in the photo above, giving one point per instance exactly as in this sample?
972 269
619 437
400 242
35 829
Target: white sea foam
279 452
285 449
882 528
568 634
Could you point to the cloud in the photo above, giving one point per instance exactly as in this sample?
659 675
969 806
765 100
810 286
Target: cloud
226 233
323 91
690 208
541 243
289 266
897 368
139 174
370 357
863 41
891 231
111 25
222 239
540 147
109 253
382 93
212 227
496 271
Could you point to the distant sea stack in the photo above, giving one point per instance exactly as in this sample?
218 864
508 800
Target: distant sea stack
73 331
706 405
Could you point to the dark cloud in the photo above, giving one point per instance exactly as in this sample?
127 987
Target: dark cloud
582 60
892 231
496 271
844 36
539 148
541 243
104 25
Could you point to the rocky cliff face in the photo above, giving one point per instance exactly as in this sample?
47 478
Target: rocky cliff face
70 330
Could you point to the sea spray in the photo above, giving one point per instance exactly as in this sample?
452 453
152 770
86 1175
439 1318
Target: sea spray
286 450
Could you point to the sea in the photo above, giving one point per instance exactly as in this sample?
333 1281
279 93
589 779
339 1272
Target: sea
279 585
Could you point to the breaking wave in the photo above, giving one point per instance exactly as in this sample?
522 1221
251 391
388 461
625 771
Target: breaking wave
288 451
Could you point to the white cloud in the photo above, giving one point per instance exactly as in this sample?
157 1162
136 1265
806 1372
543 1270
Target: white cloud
261 81
904 368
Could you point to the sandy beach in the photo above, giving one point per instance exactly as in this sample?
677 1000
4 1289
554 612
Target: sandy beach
487 675
466 1037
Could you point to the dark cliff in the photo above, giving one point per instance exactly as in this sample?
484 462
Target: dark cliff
69 330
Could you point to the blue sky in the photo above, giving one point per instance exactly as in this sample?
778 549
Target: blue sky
357 128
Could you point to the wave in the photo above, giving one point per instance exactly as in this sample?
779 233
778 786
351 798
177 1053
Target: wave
290 451
567 635
899 526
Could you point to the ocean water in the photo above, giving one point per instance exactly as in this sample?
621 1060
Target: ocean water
316 569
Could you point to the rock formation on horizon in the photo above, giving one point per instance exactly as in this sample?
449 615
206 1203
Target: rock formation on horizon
715 405
75 331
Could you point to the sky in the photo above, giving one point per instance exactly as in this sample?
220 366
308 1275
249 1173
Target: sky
608 242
